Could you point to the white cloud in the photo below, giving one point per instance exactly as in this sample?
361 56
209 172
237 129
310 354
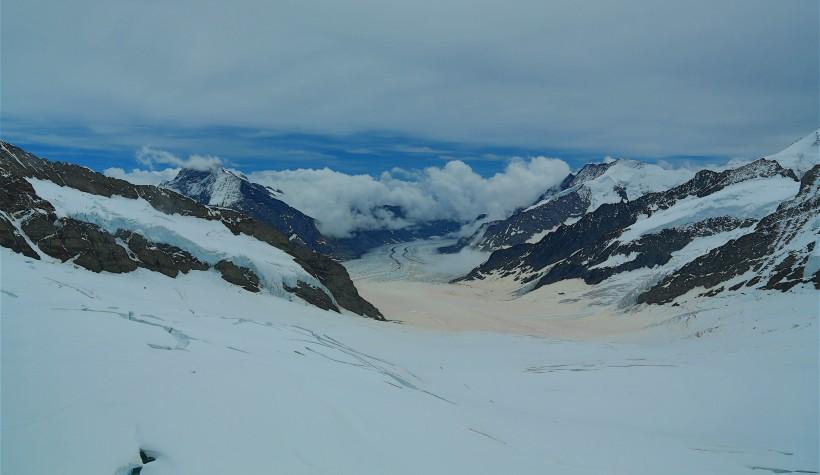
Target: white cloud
345 203
142 177
154 158
632 77
151 157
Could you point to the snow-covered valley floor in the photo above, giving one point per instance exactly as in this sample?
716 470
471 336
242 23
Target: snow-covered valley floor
211 379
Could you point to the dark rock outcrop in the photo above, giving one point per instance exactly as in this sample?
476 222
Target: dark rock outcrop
238 275
226 189
252 199
12 239
330 273
766 255
87 245
649 251
313 295
94 248
570 200
523 225
158 257
606 223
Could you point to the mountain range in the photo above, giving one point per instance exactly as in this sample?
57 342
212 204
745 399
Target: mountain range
195 327
662 234
754 225
71 214
222 188
578 194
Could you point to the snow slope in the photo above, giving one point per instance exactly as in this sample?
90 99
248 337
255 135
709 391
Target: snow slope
215 187
209 241
634 178
800 156
225 190
209 379
595 184
752 199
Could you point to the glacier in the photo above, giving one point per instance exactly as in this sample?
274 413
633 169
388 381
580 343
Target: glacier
209 379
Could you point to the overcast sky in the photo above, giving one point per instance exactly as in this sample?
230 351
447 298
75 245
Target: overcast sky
590 78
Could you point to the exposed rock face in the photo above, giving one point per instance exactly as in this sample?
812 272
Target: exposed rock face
16 162
649 251
20 204
238 275
335 276
23 215
330 273
574 250
223 188
578 194
87 245
164 258
524 225
775 255
588 172
313 295
12 239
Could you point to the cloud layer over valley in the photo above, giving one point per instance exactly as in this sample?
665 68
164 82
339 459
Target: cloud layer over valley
344 203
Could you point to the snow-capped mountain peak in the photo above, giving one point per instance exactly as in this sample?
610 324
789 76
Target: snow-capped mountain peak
800 156
610 182
61 213
214 187
224 188
595 184
631 179
717 230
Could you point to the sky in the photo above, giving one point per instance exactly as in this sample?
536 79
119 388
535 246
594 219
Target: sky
367 86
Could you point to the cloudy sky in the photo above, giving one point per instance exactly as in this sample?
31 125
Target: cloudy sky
364 86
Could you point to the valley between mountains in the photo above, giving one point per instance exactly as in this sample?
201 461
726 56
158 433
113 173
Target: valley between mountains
632 320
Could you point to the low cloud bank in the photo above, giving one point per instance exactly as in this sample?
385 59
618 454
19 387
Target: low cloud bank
154 158
345 203
157 161
151 157
142 177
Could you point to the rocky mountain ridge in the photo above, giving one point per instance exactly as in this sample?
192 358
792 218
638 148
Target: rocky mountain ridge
218 187
223 188
680 233
29 224
580 193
